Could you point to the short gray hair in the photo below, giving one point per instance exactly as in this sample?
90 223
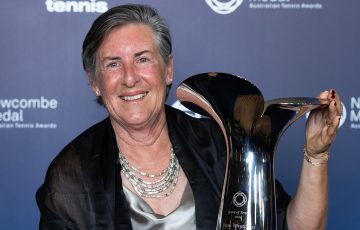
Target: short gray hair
123 15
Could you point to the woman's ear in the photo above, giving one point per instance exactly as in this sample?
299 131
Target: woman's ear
93 83
169 70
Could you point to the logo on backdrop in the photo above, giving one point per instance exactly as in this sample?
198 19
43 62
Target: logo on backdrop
90 6
14 111
343 115
224 7
354 113
227 7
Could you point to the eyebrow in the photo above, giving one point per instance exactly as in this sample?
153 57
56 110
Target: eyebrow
111 58
141 53
116 58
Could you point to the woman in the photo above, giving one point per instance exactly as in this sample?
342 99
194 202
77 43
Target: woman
149 166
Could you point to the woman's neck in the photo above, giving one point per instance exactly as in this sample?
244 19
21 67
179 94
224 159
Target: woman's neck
146 142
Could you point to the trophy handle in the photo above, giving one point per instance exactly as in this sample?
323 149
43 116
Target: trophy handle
285 111
300 106
189 97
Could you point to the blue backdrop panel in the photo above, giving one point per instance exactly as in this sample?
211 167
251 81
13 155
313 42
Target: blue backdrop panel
286 47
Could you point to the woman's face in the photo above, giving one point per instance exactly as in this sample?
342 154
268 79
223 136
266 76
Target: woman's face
131 76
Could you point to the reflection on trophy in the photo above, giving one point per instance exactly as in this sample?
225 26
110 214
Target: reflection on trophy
252 128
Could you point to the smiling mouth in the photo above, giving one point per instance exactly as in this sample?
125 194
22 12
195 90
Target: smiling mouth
132 98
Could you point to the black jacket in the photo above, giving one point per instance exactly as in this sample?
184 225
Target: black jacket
83 188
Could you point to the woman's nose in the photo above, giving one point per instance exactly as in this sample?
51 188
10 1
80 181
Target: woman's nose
130 77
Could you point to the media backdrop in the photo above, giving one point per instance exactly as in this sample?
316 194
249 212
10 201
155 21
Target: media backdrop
287 48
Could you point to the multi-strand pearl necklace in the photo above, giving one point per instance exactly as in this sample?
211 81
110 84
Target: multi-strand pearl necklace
161 184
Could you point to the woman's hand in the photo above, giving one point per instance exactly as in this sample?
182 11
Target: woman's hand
322 124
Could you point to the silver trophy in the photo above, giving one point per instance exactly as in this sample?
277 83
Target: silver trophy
252 128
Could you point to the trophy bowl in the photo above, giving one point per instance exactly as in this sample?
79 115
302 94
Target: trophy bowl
252 128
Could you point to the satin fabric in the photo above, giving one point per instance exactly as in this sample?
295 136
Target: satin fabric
143 217
83 187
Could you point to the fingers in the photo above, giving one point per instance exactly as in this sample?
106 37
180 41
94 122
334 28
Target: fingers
324 97
335 106
334 112
339 107
333 120
323 123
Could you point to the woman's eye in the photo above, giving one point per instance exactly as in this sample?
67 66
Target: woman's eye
143 59
112 65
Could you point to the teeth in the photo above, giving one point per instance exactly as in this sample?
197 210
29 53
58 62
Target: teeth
135 97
